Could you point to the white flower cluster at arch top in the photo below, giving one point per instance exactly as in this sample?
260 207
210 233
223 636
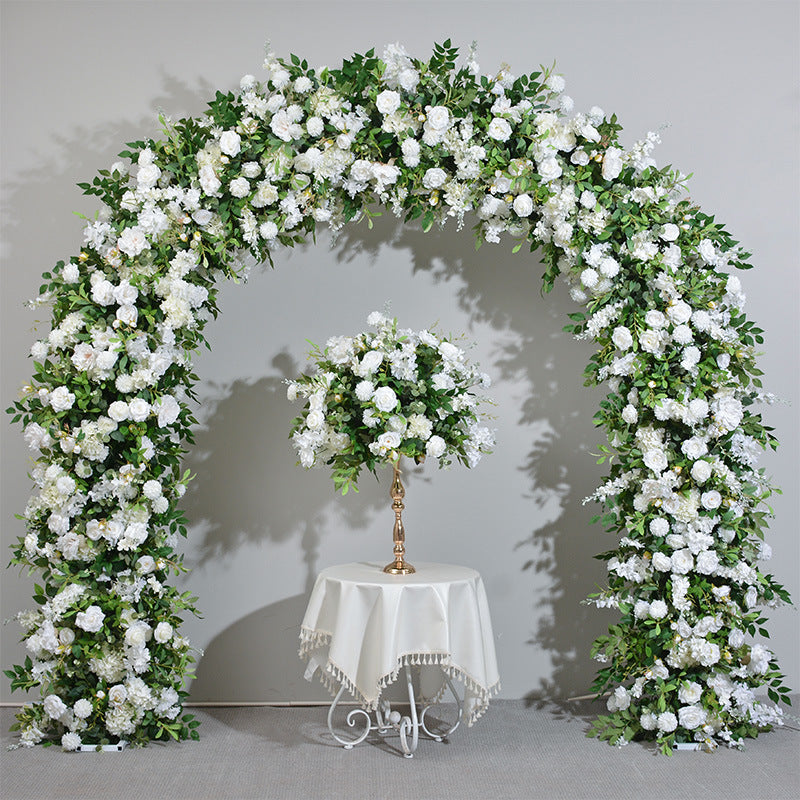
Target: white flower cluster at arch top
108 408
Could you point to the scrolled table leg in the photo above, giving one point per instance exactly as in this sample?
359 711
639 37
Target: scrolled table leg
348 744
460 710
409 724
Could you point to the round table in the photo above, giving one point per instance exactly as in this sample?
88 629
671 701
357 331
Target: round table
363 626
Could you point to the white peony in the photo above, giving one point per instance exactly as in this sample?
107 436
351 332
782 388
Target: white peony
499 129
61 399
434 178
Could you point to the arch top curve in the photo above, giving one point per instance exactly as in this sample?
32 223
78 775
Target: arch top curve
108 408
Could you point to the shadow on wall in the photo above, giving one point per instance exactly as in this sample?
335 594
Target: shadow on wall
244 434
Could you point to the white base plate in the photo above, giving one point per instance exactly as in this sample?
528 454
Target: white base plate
105 748
688 746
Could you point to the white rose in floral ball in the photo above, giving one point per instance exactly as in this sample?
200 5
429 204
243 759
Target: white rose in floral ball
711 500
315 419
434 178
550 169
629 414
523 205
661 562
371 361
61 399
138 409
117 695
690 692
435 447
622 338
438 119
682 561
701 471
499 129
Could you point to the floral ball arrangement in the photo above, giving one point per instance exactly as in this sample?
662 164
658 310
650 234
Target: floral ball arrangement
108 410
378 396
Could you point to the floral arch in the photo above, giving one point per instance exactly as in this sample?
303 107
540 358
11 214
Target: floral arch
108 407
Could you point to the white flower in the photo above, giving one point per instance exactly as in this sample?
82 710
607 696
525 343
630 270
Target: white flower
163 632
147 176
230 143
385 399
690 692
90 620
132 241
118 411
70 741
694 448
268 230
682 561
315 126
389 440
82 708
117 695
437 119
434 178
711 500
612 164
701 471
151 489
667 722
658 609
661 562
691 717
727 411
387 102
239 187
670 232
365 390
622 338
589 278
138 409
523 205
54 706
410 149
499 129
550 169
61 399
629 414
435 447
315 420
370 361
648 721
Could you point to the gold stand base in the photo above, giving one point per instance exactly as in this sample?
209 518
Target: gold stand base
399 568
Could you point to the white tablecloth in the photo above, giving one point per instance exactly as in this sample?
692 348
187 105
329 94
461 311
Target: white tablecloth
362 625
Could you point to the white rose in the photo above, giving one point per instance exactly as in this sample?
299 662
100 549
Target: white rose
661 562
701 471
711 500
434 178
728 412
315 420
438 119
137 634
147 176
622 338
239 187
691 717
707 562
230 143
128 315
132 241
651 341
682 561
90 620
209 181
117 695
655 459
435 446
690 692
54 706
612 163
549 169
694 448
103 292
371 361
389 440
385 399
138 409
118 411
655 319
679 313
145 565
670 232
499 129
61 399
629 414
387 102
736 638
523 205
163 632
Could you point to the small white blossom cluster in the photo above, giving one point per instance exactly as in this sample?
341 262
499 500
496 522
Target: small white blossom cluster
383 394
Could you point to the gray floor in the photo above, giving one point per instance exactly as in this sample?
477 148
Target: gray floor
513 752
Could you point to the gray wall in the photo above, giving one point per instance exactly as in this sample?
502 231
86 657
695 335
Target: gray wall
80 79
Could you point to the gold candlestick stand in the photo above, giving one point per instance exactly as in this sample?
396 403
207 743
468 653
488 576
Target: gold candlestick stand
399 566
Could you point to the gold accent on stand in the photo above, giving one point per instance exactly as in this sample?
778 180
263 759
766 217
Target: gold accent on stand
399 566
